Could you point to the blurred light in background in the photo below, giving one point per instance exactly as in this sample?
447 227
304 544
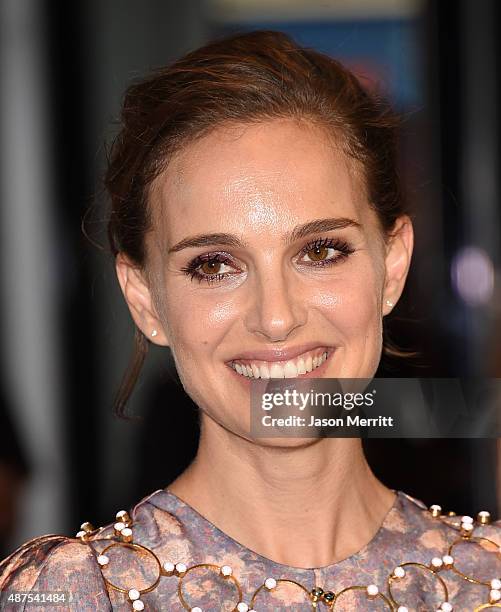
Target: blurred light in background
472 275
29 260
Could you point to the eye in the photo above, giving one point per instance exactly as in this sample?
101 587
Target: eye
325 251
320 253
214 267
211 267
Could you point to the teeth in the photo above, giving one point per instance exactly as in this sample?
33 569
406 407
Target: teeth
290 370
302 365
301 368
277 371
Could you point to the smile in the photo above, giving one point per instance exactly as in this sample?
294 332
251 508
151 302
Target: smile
302 364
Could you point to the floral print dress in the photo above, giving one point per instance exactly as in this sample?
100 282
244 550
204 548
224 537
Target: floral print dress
163 555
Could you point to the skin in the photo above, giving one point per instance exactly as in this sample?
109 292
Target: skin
250 182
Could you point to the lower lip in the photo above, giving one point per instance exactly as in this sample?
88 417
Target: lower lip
316 373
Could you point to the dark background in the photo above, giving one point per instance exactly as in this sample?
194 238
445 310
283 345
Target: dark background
66 334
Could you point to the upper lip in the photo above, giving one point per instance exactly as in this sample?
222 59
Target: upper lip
279 354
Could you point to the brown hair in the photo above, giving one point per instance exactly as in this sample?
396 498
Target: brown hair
245 78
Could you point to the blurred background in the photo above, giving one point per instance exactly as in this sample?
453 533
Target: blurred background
66 334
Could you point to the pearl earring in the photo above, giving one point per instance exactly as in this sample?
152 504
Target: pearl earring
389 303
154 333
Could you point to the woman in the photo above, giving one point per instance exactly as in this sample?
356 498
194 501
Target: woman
259 232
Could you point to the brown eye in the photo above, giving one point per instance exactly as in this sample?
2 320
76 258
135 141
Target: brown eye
318 253
211 267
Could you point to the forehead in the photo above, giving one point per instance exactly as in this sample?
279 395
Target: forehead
265 177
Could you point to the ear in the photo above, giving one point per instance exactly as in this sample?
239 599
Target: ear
399 246
139 299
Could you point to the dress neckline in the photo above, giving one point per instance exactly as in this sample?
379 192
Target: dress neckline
170 502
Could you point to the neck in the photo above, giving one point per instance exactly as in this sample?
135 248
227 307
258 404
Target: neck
323 492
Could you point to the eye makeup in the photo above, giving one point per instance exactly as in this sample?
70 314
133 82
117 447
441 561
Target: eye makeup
208 267
216 266
318 251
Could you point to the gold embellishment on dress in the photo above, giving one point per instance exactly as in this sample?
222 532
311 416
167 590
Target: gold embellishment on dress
225 571
123 537
436 564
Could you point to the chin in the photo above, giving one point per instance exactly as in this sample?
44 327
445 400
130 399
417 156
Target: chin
285 443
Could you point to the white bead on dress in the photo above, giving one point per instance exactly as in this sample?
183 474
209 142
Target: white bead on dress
133 594
270 583
436 563
399 572
494 595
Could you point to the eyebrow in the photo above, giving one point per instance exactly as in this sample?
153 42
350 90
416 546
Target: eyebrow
301 231
207 240
318 226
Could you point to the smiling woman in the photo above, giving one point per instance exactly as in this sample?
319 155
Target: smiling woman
259 232
278 258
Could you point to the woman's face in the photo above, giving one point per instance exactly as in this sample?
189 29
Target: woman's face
265 260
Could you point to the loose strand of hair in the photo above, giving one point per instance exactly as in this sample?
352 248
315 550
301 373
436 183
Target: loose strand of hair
131 376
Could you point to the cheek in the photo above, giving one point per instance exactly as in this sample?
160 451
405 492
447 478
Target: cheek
195 320
220 313
326 300
351 303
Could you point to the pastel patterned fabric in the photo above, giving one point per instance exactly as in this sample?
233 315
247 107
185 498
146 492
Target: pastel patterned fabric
177 533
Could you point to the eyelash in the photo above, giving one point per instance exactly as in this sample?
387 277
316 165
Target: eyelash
343 248
191 269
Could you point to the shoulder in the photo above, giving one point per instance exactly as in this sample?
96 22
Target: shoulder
85 567
461 552
55 563
433 526
420 516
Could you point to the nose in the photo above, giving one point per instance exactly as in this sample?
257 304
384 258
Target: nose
277 309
